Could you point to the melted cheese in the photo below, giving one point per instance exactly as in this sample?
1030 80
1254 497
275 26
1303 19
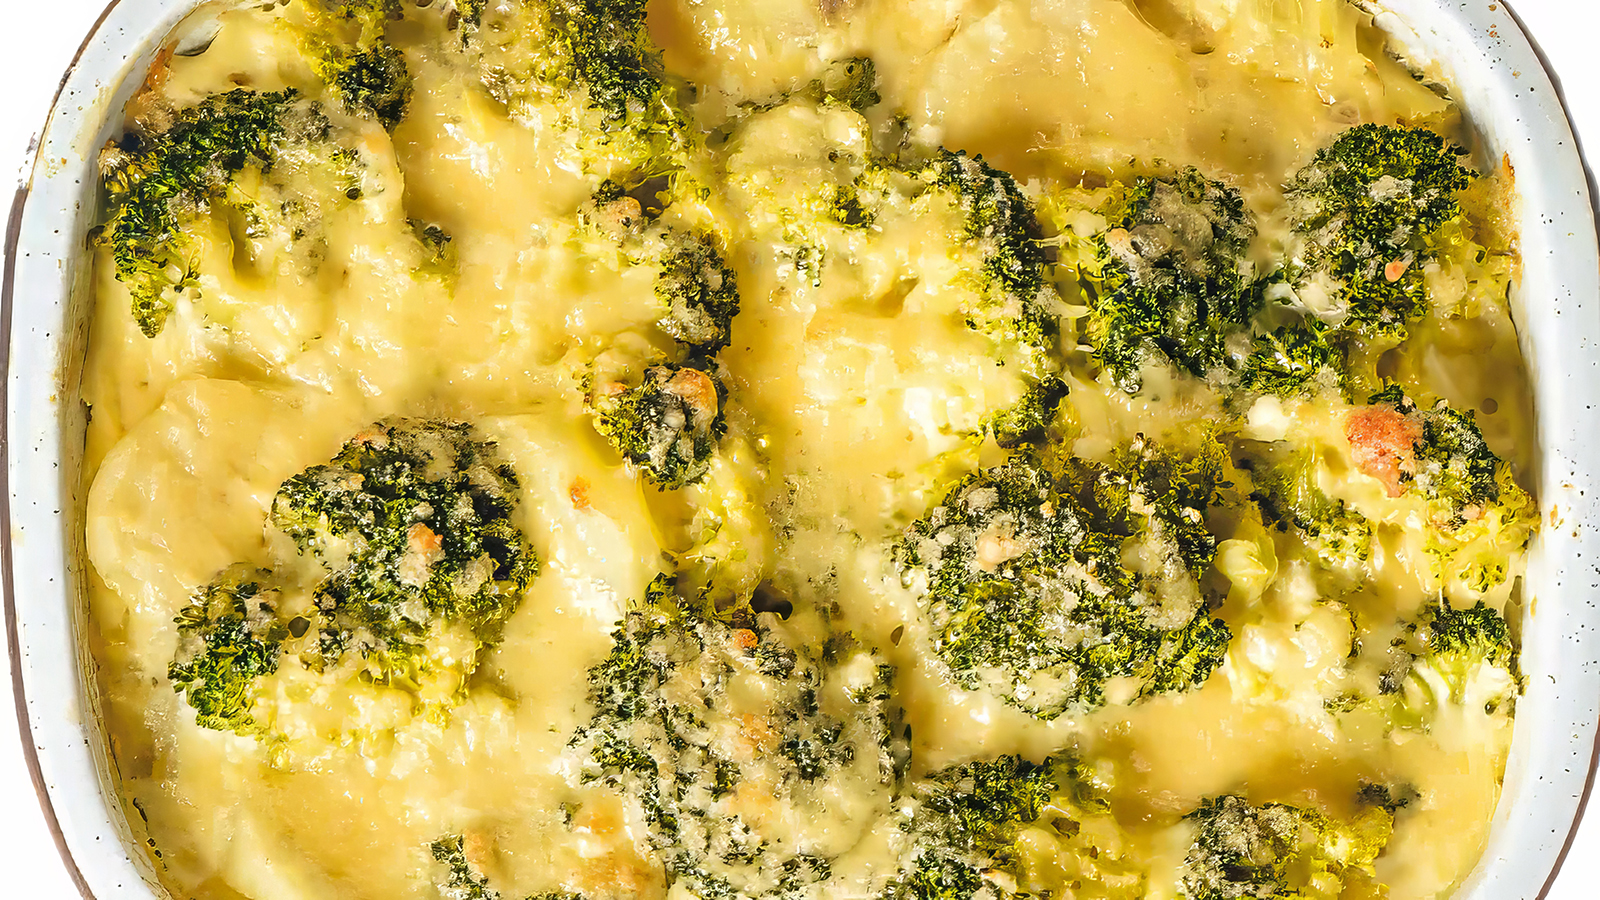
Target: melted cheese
857 397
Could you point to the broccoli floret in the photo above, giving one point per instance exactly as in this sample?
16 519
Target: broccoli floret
415 522
351 53
1459 656
668 425
1294 360
469 17
375 81
1149 487
845 207
966 823
852 82
1286 490
967 826
602 46
594 62
1478 515
1016 302
1366 208
1029 421
1276 850
695 286
1471 636
1175 280
156 183
460 882
229 636
980 804
938 876
817 715
1029 594
1450 461
699 293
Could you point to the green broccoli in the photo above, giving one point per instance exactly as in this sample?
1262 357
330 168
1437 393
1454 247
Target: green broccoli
818 715
468 17
980 804
966 823
156 183
229 636
699 292
1365 209
845 206
607 52
1016 302
1276 850
1029 594
1175 280
1294 360
595 62
668 425
1286 490
415 521
1478 515
1030 420
967 834
1460 638
1450 462
375 81
1145 486
460 882
351 53
1463 657
696 288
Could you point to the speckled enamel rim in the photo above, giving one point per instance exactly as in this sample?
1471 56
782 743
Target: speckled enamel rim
1481 44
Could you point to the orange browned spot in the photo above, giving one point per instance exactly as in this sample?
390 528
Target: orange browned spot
744 639
756 732
160 70
579 492
615 869
422 539
478 848
1395 269
1381 443
697 389
371 437
617 217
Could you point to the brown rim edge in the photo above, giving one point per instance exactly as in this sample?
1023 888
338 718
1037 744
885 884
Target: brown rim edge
1594 209
13 642
30 752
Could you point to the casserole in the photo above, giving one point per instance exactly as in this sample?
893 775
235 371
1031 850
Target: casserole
66 370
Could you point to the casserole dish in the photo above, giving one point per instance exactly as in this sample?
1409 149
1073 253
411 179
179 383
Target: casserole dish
1547 772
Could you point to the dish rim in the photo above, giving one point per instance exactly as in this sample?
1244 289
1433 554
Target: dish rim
31 725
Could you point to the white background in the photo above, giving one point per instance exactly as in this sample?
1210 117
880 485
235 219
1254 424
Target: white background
39 40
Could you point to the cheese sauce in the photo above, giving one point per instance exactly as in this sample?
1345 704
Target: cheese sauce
467 265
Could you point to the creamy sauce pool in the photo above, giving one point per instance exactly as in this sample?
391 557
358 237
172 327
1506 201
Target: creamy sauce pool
855 398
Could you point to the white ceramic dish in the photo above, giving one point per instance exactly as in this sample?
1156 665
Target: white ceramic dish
1478 47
